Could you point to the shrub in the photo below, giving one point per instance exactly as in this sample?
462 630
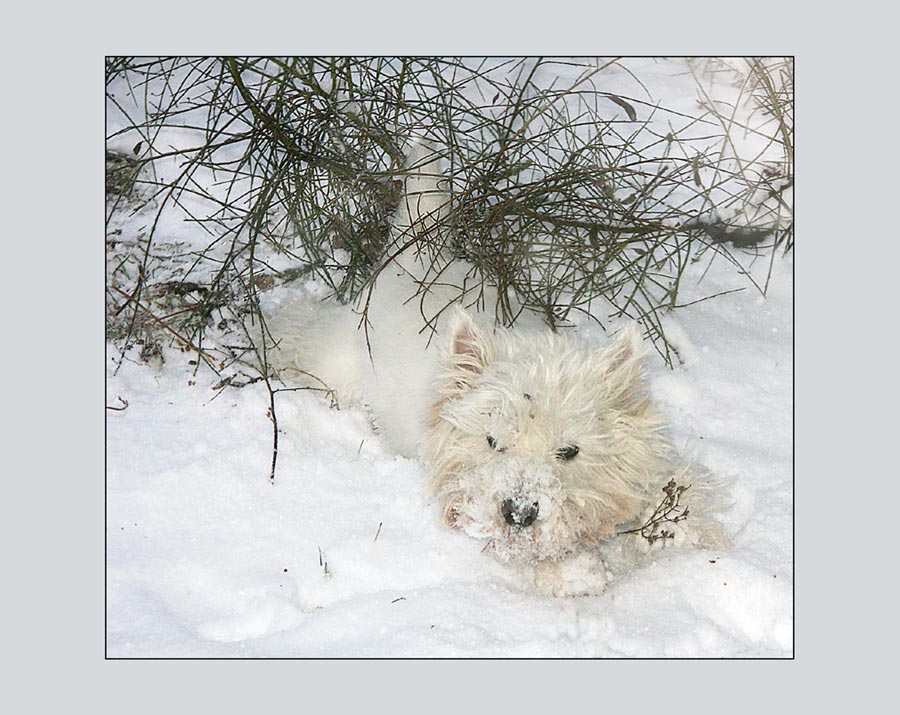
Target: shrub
563 193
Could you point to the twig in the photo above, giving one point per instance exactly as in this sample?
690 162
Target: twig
231 381
715 295
323 562
274 418
119 409
669 511
325 388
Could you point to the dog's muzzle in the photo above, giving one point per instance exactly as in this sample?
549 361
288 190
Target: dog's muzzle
519 513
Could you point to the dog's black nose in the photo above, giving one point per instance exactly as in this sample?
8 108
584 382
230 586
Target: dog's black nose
519 513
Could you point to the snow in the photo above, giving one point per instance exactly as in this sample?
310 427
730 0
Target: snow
205 557
344 556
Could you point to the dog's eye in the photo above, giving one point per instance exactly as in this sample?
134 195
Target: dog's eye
567 453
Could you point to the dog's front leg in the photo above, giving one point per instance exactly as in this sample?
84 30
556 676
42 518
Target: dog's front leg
582 574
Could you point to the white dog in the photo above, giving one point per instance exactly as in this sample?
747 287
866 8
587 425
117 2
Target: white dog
549 450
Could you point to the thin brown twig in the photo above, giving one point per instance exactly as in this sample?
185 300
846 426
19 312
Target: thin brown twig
119 409
274 418
669 511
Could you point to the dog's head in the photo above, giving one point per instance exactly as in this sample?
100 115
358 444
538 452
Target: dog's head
538 444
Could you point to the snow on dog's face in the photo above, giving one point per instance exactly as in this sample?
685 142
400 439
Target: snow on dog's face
539 445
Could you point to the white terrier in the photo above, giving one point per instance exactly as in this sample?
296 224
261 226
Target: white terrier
549 450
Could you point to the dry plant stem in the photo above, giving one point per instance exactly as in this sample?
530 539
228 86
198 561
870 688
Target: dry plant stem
669 511
274 418
325 388
119 409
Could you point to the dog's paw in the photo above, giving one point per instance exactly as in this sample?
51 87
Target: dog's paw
584 574
697 533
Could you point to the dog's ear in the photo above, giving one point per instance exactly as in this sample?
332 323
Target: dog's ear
622 361
470 349
627 348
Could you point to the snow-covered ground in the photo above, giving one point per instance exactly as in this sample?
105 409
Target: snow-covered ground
206 557
344 556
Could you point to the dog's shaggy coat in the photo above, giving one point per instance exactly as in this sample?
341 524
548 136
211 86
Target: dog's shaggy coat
549 450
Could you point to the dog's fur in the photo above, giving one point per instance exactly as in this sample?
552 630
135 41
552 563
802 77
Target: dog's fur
547 449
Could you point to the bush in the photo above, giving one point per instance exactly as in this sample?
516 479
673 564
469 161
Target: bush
561 195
